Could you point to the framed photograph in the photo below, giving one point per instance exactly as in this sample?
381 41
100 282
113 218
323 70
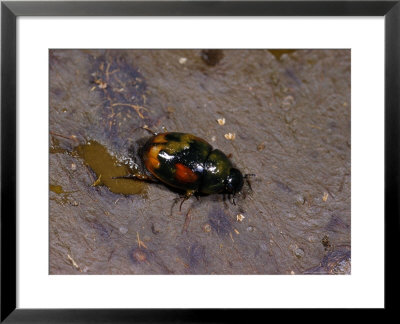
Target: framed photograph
163 158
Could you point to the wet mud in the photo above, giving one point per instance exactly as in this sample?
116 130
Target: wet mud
283 115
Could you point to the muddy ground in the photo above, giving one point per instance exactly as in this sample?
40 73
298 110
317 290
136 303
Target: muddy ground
283 115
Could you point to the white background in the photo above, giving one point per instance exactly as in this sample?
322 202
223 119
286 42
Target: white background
363 288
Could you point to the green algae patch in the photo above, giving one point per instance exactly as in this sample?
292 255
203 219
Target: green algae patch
56 189
63 197
106 167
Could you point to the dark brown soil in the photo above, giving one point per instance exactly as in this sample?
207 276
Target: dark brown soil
283 115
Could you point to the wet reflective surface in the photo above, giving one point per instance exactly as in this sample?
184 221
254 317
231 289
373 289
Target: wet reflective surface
284 116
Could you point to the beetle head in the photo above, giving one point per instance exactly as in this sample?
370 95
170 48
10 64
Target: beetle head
234 181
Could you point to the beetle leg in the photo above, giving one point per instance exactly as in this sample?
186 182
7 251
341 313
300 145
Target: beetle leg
183 200
233 200
249 183
175 201
187 221
247 176
138 176
188 194
145 127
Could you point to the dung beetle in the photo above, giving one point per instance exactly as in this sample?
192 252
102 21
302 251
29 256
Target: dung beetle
189 163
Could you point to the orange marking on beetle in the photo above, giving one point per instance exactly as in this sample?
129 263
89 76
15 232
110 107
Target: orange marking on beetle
151 160
154 151
159 139
184 174
152 164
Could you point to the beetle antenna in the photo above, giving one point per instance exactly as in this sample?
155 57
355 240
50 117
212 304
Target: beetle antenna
247 176
183 200
233 199
188 194
187 221
145 127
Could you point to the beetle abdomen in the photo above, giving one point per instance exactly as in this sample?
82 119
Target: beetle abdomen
177 159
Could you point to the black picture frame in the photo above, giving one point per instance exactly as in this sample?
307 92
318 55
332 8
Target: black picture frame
11 10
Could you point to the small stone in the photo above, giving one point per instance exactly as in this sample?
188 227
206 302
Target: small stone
212 56
207 228
260 147
299 253
123 230
240 217
221 121
102 85
138 255
230 136
284 57
325 242
73 166
300 199
287 103
250 229
343 267
154 229
288 119
75 203
312 239
182 60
